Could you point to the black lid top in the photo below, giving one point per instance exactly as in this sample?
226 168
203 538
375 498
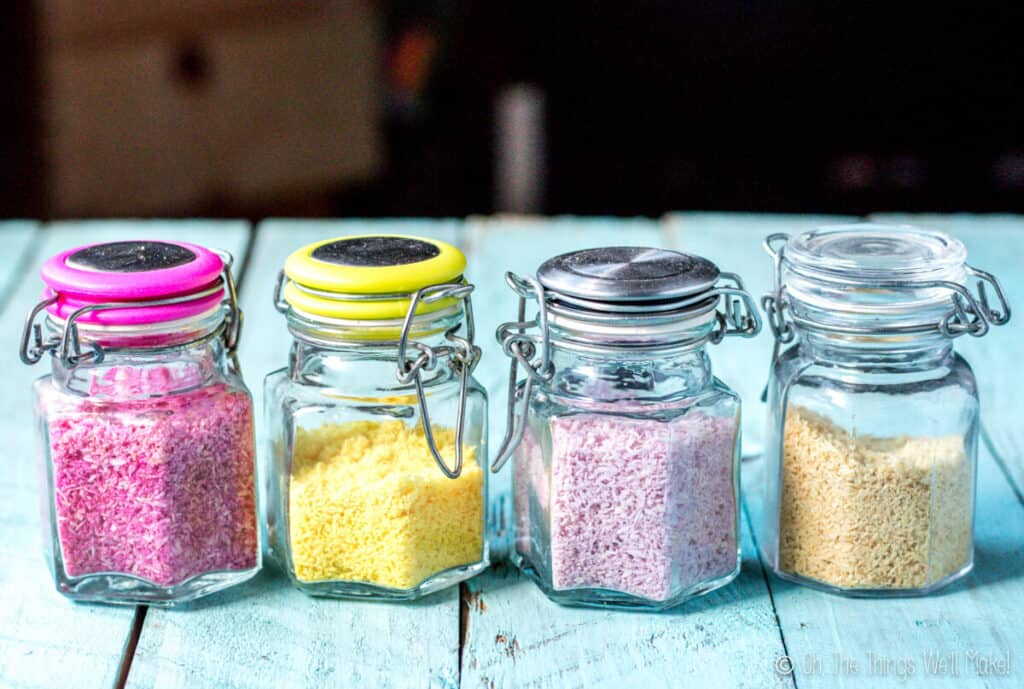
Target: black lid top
131 257
375 251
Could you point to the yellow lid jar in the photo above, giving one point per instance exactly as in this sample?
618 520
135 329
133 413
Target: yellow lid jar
377 428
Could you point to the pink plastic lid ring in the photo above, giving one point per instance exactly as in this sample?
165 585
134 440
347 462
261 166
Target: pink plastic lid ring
133 272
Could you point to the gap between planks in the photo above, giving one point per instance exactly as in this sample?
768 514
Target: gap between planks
242 262
1000 461
130 645
240 269
673 238
767 583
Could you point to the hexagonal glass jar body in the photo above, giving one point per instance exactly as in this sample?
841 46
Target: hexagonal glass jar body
872 436
626 481
357 506
148 471
870 467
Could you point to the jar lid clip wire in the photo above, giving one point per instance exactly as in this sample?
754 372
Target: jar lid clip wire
67 345
463 352
968 314
533 351
522 348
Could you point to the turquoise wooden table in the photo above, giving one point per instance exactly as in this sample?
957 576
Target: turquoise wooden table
498 630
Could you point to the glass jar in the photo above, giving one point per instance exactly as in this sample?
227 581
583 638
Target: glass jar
377 427
873 417
146 428
626 447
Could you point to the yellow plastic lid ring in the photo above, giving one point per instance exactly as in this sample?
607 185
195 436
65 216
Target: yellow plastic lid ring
314 304
329 278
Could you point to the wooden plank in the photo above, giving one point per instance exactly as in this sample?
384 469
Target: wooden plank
971 617
515 635
733 241
46 641
976 618
20 238
994 243
266 634
518 638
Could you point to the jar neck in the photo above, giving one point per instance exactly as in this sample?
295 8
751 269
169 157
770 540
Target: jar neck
140 373
605 374
344 335
904 352
369 365
332 352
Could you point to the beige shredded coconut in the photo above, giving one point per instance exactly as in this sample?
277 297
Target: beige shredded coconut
871 512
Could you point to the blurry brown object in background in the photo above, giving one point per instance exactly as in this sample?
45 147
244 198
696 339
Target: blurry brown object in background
185 107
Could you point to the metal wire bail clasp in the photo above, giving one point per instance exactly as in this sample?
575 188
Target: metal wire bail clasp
235 317
67 346
463 353
33 347
739 315
775 304
979 313
522 348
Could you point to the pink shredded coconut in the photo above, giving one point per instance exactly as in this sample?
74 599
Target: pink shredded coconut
160 488
640 506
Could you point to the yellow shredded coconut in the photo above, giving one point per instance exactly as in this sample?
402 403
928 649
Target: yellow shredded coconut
367 503
871 512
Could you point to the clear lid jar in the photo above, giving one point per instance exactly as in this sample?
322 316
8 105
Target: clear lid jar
377 427
873 419
147 466
626 447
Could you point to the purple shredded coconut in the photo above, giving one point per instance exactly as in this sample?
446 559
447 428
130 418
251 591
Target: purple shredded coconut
640 506
530 483
159 488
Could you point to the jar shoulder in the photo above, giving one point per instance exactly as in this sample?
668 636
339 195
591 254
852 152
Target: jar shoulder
798 366
715 399
937 400
281 383
130 394
285 394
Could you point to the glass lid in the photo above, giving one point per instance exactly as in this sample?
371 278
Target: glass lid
871 251
868 279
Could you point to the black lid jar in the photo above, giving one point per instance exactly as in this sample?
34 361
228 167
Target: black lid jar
377 428
148 463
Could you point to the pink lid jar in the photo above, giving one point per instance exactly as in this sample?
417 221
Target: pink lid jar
146 428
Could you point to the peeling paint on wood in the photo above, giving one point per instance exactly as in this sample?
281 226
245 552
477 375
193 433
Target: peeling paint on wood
520 638
501 631
46 641
267 634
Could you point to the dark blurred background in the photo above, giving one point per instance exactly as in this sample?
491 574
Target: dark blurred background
453 107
